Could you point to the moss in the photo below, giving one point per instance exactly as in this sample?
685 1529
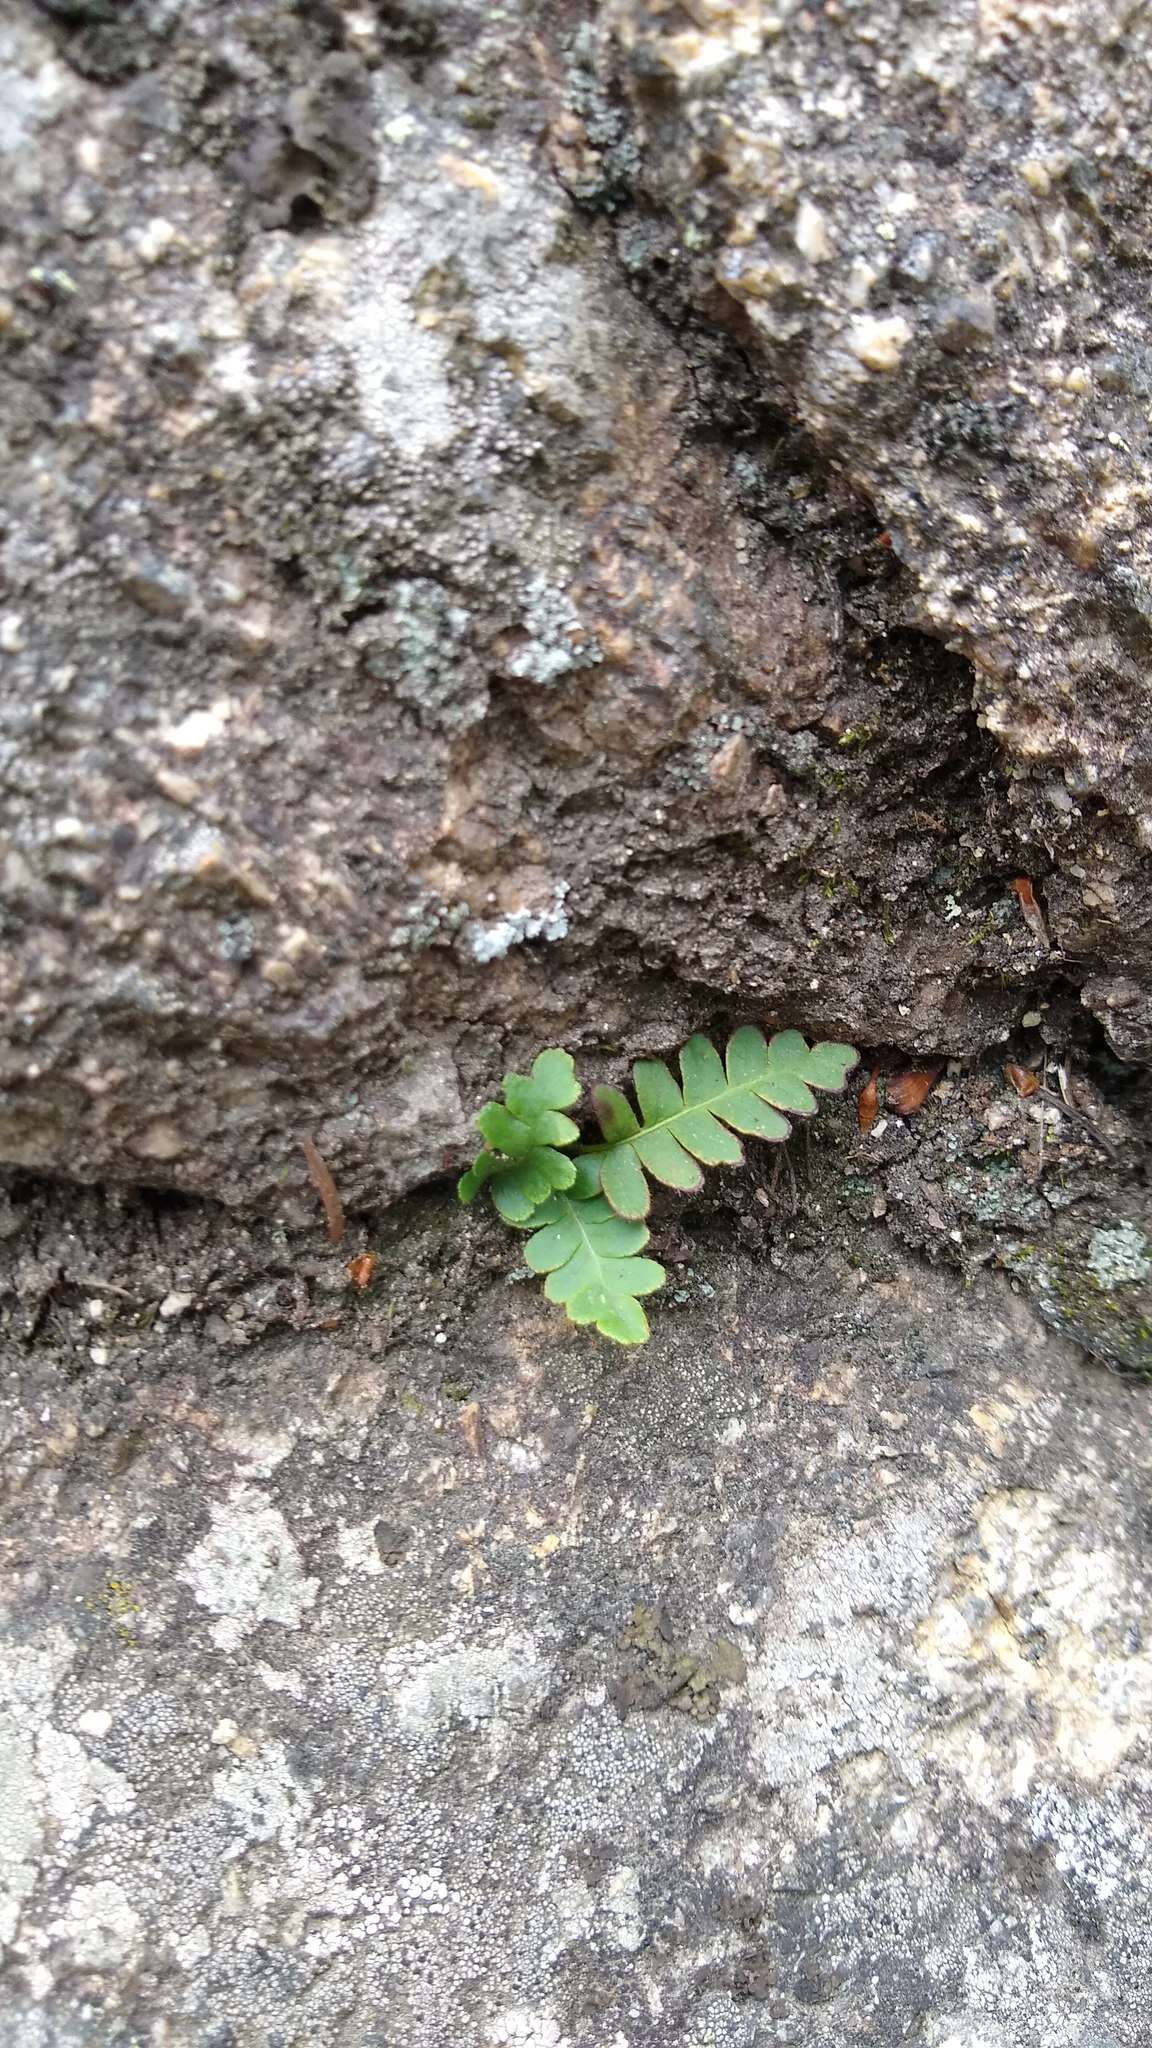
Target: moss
458 1389
1113 1323
119 1605
836 883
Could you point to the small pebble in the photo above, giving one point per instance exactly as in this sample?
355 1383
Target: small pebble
917 263
811 233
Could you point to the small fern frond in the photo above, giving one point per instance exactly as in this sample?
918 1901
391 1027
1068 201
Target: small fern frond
589 1256
681 1128
585 1213
522 1162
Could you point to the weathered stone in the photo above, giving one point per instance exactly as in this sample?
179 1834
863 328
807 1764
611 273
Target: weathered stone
965 322
411 642
999 234
789 1680
521 529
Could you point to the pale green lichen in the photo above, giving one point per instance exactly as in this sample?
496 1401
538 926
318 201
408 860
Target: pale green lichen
1118 1254
418 644
558 641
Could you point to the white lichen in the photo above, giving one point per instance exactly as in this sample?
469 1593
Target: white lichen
77 1785
99 1928
558 642
491 941
247 1569
475 1686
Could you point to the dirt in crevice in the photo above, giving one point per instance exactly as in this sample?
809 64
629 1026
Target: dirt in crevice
116 1290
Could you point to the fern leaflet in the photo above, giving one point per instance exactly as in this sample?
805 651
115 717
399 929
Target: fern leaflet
680 1129
589 1256
522 1163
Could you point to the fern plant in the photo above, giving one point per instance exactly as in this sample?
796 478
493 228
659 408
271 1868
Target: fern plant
586 1210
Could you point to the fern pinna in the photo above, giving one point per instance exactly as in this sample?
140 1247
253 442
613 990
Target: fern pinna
586 1209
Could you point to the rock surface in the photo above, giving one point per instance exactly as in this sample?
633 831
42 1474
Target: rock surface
931 221
446 605
932 228
432 1677
530 525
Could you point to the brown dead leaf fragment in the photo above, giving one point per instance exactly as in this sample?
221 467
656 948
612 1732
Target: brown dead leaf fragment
1033 915
325 1187
360 1270
908 1092
1023 1080
868 1103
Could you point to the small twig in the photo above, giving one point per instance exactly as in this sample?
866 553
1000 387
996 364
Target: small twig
1041 1125
325 1187
105 1286
1078 1116
772 1193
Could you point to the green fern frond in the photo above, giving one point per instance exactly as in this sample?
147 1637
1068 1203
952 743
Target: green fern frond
589 1256
585 1213
522 1162
679 1129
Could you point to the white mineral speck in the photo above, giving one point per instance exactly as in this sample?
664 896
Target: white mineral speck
94 1721
811 233
879 344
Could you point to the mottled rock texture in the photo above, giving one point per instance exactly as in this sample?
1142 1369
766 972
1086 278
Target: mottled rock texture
930 224
428 1676
529 524
526 526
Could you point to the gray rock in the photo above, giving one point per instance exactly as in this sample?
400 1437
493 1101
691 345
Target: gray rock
864 191
415 643
497 553
918 262
158 587
788 1681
